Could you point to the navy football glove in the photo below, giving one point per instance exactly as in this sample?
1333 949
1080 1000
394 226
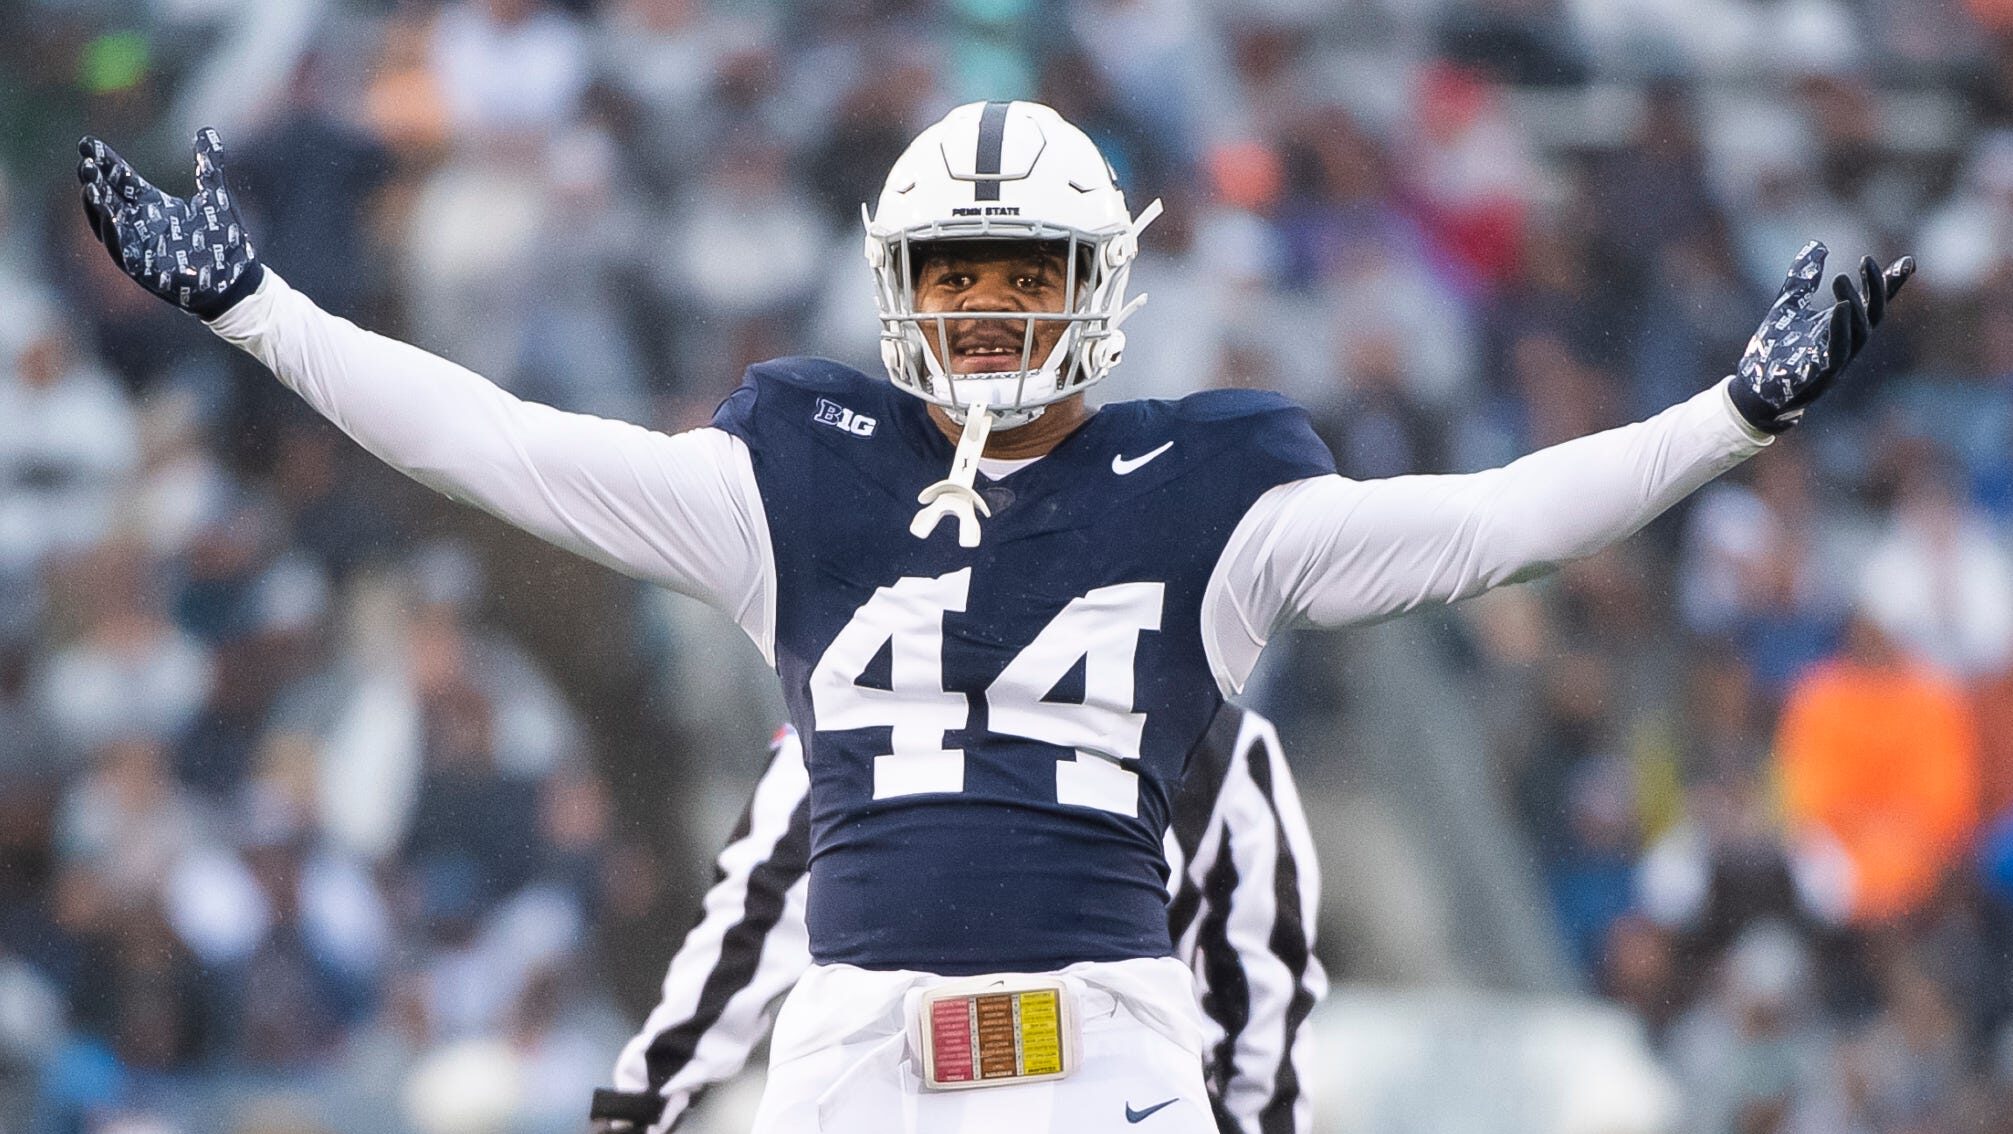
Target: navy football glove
192 253
1799 351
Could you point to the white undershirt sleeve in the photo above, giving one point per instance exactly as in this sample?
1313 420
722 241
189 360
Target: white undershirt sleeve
681 511
1328 551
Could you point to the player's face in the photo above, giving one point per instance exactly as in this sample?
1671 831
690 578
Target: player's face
1003 276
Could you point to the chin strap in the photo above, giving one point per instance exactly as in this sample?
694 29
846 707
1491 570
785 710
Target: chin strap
954 495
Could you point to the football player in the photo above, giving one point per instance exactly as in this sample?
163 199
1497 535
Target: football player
1242 900
994 712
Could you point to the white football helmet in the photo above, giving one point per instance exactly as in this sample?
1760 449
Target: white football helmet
1005 171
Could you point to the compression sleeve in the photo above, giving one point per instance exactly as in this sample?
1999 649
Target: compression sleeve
1328 551
681 511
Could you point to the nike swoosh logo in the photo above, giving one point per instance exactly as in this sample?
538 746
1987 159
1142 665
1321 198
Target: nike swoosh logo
1123 465
1132 1115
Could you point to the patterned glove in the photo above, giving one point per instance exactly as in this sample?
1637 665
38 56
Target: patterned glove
192 253
1798 352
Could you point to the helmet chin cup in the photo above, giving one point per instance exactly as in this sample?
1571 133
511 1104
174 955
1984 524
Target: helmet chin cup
1001 419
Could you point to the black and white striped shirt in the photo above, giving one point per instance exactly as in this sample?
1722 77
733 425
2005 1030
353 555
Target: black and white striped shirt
1244 888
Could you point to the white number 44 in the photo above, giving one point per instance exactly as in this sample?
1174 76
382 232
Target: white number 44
1101 628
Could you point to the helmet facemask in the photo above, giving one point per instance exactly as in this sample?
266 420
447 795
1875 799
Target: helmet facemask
1089 346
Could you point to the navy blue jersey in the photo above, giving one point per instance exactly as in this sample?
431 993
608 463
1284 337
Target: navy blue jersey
994 734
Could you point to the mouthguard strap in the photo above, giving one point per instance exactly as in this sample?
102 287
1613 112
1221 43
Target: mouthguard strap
954 495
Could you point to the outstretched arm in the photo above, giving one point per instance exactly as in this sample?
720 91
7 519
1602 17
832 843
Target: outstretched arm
1329 551
681 511
677 510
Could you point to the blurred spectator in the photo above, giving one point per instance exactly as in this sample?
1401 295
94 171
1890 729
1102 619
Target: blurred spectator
32 1028
67 442
1964 406
24 735
470 234
470 840
1551 294
740 262
1393 318
308 179
277 638
1688 319
1560 394
404 105
1472 170
1653 191
330 500
578 352
298 930
1727 715
1719 38
182 484
869 129
1378 426
511 74
1939 581
310 973
1724 870
1995 733
1969 237
1751 1048
129 672
1879 755
1592 875
508 68
1160 62
1905 1071
1790 206
1525 42
128 823
557 1048
660 58
1763 566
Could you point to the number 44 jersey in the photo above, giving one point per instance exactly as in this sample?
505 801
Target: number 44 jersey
994 734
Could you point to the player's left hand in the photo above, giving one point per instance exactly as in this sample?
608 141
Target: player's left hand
192 252
1799 351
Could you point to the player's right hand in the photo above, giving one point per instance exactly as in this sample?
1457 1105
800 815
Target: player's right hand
191 252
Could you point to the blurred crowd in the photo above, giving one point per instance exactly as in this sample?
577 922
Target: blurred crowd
293 830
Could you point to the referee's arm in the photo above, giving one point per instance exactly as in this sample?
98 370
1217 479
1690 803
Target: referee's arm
1245 891
748 949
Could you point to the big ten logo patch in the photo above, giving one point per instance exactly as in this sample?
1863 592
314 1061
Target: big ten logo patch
839 417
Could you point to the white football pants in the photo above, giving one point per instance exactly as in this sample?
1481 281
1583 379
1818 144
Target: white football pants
844 1060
